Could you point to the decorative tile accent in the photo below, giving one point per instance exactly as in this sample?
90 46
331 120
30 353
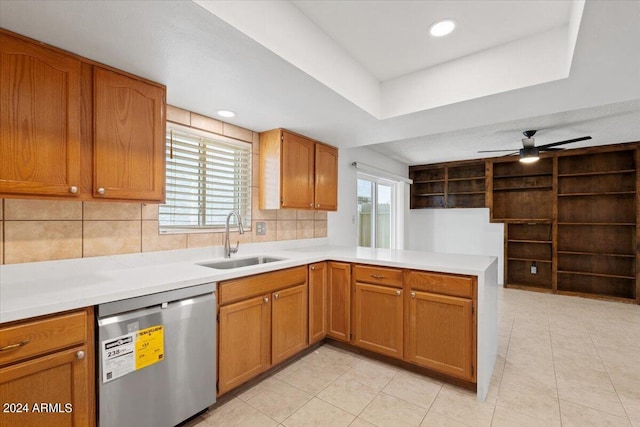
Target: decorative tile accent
28 241
111 237
41 210
152 240
112 211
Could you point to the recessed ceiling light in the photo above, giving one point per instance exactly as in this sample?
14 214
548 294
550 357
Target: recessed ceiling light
442 27
226 113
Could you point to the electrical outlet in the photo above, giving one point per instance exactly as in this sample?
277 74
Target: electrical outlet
534 268
261 228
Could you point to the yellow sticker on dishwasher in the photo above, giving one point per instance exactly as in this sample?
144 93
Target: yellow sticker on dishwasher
149 346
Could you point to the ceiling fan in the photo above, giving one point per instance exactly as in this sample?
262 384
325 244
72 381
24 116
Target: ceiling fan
529 153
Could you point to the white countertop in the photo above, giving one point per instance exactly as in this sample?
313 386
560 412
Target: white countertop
35 289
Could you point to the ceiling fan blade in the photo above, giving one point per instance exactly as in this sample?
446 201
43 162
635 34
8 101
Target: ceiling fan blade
498 151
568 141
551 149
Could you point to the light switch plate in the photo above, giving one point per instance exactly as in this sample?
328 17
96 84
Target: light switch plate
261 228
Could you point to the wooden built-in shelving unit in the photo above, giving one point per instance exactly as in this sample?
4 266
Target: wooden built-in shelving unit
454 185
570 219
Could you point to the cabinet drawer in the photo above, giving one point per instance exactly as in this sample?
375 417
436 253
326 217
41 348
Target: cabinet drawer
31 338
246 287
446 284
378 275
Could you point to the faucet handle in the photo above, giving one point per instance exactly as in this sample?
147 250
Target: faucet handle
235 250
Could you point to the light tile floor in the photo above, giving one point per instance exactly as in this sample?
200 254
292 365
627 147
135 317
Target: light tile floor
562 361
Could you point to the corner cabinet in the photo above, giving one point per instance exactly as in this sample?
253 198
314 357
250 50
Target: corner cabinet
129 139
77 129
48 362
39 118
297 172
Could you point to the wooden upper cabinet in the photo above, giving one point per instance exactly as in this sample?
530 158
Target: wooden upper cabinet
296 172
129 138
39 119
326 178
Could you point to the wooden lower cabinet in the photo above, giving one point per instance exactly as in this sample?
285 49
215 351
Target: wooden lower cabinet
47 371
245 341
378 319
263 320
288 323
440 334
339 307
317 302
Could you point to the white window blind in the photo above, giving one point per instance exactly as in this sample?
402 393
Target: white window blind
207 177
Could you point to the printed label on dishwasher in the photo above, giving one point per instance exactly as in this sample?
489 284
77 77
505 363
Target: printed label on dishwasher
118 357
149 346
130 352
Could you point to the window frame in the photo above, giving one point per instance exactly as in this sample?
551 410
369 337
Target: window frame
202 227
393 210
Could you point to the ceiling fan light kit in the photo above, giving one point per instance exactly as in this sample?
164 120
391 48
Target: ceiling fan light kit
529 155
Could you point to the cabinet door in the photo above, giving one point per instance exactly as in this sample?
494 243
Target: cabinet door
288 322
129 138
378 323
339 313
441 333
326 178
60 380
39 119
317 302
245 341
297 172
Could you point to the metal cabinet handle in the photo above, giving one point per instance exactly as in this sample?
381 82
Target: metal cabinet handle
80 355
265 299
14 346
398 292
276 296
413 294
101 191
377 276
73 189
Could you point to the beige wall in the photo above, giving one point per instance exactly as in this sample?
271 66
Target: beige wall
39 230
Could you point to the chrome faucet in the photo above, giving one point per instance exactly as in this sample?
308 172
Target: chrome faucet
228 250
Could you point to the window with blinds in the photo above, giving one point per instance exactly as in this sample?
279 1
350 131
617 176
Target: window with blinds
207 177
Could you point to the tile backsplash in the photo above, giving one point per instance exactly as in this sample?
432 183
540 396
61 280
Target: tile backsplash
41 230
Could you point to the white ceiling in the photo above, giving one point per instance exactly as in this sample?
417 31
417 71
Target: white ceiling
391 38
208 64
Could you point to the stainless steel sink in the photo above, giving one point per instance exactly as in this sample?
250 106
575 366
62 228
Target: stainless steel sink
240 262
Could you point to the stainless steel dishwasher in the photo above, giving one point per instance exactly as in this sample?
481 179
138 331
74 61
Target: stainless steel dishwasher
157 357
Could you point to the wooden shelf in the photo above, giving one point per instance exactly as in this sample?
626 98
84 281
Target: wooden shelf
617 172
529 241
587 273
428 194
605 193
473 178
427 181
537 187
465 192
530 260
528 285
524 175
524 220
620 224
596 254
